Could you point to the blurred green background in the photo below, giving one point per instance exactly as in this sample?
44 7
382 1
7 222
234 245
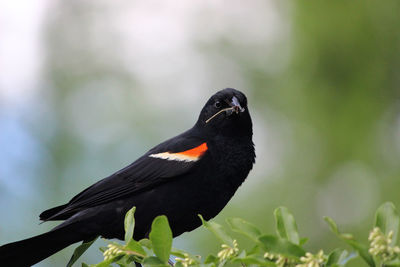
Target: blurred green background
86 87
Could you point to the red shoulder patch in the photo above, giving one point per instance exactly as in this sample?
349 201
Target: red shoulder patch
193 154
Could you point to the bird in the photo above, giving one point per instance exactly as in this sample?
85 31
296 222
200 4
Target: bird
195 172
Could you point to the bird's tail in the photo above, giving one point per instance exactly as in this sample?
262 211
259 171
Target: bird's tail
33 250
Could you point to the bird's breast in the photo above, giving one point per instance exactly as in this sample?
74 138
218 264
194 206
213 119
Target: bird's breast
233 159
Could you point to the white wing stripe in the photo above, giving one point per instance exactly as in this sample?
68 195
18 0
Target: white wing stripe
174 156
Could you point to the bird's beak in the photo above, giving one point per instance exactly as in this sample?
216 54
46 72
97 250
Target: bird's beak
236 105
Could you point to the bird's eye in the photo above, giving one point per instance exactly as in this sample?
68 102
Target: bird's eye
217 104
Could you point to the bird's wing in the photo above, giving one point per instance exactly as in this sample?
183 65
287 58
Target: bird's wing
170 159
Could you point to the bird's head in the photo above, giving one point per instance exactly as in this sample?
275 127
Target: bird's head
226 113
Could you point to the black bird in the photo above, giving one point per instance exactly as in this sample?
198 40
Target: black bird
196 172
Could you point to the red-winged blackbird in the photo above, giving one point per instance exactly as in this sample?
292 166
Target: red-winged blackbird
196 172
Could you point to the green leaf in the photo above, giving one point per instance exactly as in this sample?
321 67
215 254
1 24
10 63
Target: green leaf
126 261
218 231
387 219
253 260
136 247
178 264
393 263
146 243
362 250
273 244
349 239
286 225
178 253
79 251
339 257
85 265
332 225
161 238
108 262
335 229
147 246
245 228
255 249
303 241
211 259
129 224
154 262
